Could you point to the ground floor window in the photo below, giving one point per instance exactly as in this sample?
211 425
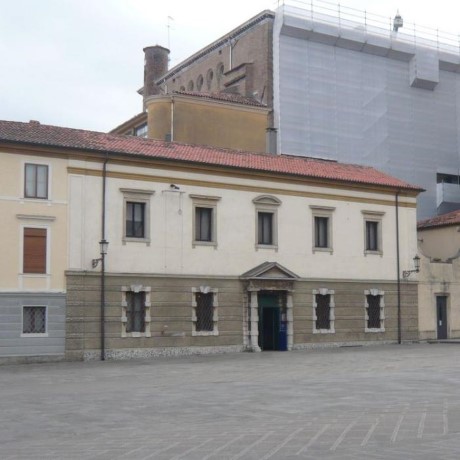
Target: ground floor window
135 315
323 311
374 311
204 311
34 320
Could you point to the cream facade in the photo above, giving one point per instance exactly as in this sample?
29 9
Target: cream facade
284 283
33 201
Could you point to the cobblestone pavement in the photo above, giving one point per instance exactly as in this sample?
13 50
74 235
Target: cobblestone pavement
388 402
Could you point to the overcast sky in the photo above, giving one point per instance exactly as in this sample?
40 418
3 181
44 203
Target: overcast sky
79 63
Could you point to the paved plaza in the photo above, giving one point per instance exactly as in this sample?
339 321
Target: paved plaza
383 402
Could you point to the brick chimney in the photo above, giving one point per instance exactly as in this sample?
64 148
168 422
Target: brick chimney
155 65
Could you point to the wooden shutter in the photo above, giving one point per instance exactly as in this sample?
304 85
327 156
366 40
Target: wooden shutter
34 250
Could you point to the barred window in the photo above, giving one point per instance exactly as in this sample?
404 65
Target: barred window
323 311
34 320
135 312
204 311
374 309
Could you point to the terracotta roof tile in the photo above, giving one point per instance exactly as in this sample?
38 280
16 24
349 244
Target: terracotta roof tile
451 218
34 133
225 97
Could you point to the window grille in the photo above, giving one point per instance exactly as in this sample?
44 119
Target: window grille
323 310
204 312
135 312
373 312
34 320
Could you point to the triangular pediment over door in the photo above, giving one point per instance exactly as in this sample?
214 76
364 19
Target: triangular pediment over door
270 276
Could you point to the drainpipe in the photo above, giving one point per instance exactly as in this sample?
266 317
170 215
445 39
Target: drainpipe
104 176
172 118
397 264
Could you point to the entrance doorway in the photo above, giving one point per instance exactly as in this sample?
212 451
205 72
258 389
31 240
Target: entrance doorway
271 328
441 316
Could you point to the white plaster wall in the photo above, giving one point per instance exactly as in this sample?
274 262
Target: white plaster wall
171 250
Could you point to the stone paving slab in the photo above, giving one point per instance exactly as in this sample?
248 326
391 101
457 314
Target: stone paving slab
388 402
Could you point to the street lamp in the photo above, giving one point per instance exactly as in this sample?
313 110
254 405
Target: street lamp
407 273
103 246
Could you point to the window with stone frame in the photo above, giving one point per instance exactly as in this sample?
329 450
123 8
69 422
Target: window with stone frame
322 228
373 221
374 310
204 311
266 207
34 320
323 311
135 311
136 215
204 220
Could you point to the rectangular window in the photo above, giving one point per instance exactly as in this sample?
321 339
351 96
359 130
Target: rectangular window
36 181
373 312
372 236
135 312
135 220
203 224
204 312
321 232
34 320
34 250
141 130
323 309
265 228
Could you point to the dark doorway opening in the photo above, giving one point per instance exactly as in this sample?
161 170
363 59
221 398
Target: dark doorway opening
271 327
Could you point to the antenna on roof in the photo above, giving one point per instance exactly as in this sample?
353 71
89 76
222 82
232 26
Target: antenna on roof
397 22
169 31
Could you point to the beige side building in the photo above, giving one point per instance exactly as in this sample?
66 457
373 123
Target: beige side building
33 244
439 278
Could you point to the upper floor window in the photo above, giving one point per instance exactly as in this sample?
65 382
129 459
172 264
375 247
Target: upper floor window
36 181
136 215
135 220
34 250
141 130
373 232
322 228
204 220
266 221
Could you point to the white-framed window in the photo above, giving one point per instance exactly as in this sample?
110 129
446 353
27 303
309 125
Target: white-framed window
136 215
204 220
141 130
374 310
322 228
373 221
135 311
36 181
323 311
34 321
266 207
205 311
